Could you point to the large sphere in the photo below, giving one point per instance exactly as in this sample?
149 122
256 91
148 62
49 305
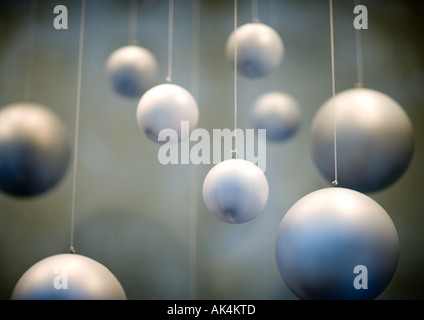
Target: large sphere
132 70
259 50
278 113
326 235
34 149
164 107
235 191
68 277
375 140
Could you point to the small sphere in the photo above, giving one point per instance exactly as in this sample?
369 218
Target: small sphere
68 276
278 113
164 107
132 70
34 149
260 50
235 191
375 140
330 234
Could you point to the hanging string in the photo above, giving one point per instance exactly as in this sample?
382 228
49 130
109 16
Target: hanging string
359 62
133 22
170 38
255 11
335 182
77 116
30 54
234 151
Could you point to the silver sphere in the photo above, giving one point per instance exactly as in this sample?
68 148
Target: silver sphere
260 50
132 70
68 277
278 113
375 140
165 106
235 191
326 235
34 149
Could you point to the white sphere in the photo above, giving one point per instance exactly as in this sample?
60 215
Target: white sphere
131 70
68 277
260 50
34 149
235 191
278 113
325 235
375 140
164 107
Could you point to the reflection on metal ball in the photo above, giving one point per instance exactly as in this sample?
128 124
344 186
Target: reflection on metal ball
330 234
34 149
68 277
375 140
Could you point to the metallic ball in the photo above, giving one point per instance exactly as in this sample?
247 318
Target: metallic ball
235 191
278 113
68 277
375 140
164 107
260 50
323 239
132 70
34 149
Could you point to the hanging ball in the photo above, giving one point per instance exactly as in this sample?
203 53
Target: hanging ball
132 70
235 191
336 243
68 277
164 107
34 149
278 113
259 49
375 139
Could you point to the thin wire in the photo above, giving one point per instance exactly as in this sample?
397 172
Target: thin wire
255 10
235 80
359 59
77 116
335 182
133 22
30 55
170 39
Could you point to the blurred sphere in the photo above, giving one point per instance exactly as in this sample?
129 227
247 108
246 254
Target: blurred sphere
34 149
68 277
375 139
259 50
325 235
132 70
235 191
164 107
278 113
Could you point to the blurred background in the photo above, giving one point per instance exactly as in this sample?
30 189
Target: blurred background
147 222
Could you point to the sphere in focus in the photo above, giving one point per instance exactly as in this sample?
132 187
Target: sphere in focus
328 233
278 113
68 277
260 49
375 140
34 149
235 191
166 106
131 70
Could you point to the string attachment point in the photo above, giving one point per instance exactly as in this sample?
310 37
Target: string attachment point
335 183
71 249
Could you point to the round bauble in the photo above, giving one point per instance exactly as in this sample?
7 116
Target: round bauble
68 277
337 243
235 191
166 106
260 49
34 149
375 139
278 113
132 70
